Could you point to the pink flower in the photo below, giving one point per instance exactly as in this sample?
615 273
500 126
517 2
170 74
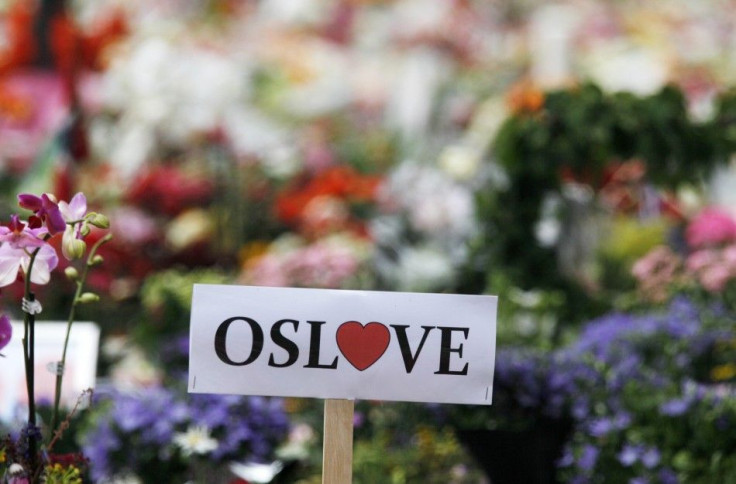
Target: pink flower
656 271
659 261
701 259
715 277
19 236
75 210
46 209
711 227
729 255
72 246
6 331
13 259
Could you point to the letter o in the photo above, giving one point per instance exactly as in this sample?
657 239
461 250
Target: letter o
221 338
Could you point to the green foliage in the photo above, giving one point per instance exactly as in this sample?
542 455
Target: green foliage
579 135
167 300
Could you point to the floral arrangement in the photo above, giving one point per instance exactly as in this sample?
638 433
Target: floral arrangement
574 158
27 252
702 264
635 398
177 436
663 399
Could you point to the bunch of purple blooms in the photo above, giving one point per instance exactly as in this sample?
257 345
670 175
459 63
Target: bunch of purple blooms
164 435
658 412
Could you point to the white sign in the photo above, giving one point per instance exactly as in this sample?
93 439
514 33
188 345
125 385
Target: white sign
79 374
343 344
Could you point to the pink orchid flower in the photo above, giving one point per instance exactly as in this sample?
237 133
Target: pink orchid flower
73 212
76 209
19 236
6 331
13 259
46 209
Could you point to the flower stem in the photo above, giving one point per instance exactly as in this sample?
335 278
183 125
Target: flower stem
29 356
69 322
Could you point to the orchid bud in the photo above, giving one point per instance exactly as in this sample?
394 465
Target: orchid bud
88 297
96 260
84 230
71 273
72 247
98 220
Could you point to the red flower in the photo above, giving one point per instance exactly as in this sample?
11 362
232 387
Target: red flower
342 182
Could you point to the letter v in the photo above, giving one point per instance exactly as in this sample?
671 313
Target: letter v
409 359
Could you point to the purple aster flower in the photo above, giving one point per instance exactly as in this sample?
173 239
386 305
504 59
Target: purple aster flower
639 480
675 407
567 458
622 420
668 476
629 455
600 427
651 457
588 458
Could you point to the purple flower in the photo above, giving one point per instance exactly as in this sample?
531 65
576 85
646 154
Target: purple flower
675 407
588 458
19 236
6 331
600 427
46 209
567 458
639 480
651 457
668 476
629 455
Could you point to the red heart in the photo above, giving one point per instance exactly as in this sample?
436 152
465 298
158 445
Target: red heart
362 345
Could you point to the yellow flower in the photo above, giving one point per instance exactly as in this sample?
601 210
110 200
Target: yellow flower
58 474
723 372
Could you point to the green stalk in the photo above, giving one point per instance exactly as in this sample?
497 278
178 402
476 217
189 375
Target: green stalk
72 312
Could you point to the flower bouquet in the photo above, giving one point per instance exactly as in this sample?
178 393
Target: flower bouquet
28 254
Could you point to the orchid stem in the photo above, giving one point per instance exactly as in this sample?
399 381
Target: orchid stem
29 354
72 313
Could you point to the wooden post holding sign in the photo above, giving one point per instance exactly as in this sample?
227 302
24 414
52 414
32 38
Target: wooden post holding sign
337 450
342 345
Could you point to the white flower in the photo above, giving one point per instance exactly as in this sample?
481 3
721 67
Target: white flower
422 269
196 440
255 472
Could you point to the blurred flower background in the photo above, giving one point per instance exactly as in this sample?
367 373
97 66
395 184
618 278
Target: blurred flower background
574 157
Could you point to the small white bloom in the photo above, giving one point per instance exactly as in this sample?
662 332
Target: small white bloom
15 469
256 472
196 440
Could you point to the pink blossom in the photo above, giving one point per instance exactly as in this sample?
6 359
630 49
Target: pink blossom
46 209
714 278
729 255
701 259
13 259
6 331
660 260
75 210
19 236
656 271
711 227
268 271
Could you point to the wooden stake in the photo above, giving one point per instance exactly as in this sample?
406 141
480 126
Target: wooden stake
337 451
